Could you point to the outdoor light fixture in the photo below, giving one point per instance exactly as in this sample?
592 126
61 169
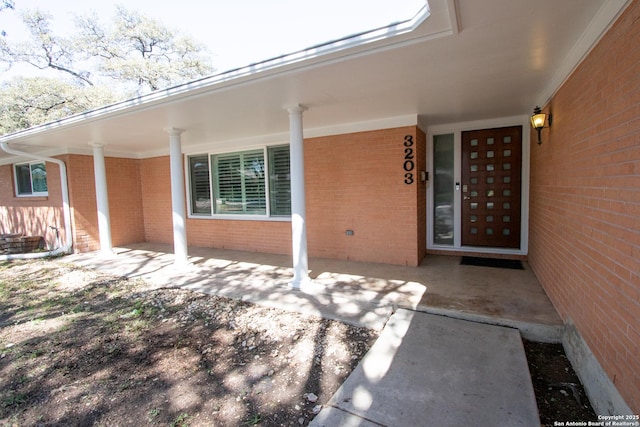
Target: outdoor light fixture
537 121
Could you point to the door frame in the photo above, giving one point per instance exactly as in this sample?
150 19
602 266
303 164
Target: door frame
456 129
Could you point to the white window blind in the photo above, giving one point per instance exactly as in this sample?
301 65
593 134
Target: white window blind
240 183
280 181
200 185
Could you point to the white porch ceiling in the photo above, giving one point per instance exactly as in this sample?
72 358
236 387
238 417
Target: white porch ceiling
469 60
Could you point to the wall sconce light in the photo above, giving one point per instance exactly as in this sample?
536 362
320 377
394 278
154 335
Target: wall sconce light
537 121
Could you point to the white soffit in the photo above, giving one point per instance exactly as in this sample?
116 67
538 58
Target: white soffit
606 16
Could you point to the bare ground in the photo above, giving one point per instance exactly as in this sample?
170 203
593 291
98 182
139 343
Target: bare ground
78 347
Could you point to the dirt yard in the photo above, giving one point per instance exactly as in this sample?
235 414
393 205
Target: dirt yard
80 348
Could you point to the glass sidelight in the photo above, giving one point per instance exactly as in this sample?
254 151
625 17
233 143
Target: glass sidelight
443 185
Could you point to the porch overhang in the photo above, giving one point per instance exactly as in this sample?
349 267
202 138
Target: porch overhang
457 60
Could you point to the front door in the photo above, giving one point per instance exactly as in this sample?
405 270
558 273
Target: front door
491 187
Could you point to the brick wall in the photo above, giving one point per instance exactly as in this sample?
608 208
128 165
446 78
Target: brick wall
31 215
156 200
585 203
258 236
125 202
353 182
84 214
34 215
356 182
254 236
124 183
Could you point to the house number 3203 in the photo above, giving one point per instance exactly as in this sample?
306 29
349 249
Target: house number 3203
409 165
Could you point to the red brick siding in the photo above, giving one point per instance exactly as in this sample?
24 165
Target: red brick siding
82 192
31 215
356 182
156 200
254 236
585 203
259 236
353 181
125 201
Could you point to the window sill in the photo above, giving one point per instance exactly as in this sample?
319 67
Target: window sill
242 218
32 198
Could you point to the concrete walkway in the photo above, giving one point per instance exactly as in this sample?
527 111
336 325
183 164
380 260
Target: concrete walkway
429 370
450 352
355 292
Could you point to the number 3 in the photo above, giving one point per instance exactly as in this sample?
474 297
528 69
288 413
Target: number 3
408 140
408 178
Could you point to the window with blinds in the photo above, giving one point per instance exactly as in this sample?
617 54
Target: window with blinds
236 183
239 183
279 181
200 185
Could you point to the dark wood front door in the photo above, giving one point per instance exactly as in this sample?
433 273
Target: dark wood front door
491 187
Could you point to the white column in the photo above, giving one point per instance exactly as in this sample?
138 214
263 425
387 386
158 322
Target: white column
298 209
178 198
102 199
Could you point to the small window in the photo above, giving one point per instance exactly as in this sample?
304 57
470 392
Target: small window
31 179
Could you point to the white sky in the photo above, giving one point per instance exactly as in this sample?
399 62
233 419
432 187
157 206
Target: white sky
238 32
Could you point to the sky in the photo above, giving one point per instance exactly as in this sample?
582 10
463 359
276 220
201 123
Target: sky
237 32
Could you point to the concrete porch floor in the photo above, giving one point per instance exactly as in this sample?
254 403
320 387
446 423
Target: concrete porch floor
355 292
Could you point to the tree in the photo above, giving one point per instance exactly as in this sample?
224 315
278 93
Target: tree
135 50
27 102
138 52
5 4
44 49
139 49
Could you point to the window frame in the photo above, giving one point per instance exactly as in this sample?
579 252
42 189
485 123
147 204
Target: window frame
31 182
267 216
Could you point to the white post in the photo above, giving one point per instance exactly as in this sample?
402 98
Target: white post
102 200
178 198
298 209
